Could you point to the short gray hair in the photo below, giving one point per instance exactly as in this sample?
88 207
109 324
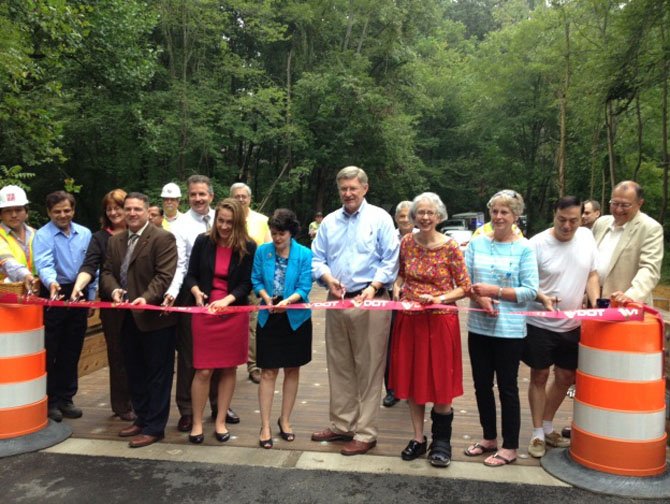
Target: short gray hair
349 172
509 198
200 179
434 200
240 185
402 206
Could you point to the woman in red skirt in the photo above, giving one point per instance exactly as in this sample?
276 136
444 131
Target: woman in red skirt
426 364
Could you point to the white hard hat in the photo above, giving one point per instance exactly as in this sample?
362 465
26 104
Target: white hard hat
12 196
171 190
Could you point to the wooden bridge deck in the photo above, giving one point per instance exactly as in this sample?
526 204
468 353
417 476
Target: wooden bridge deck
311 410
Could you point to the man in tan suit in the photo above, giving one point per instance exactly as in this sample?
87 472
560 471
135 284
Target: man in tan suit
630 246
139 267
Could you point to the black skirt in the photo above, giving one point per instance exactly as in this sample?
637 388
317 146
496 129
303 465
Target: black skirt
279 346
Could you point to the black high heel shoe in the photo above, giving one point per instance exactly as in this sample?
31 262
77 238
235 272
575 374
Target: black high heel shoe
222 438
196 439
286 436
265 443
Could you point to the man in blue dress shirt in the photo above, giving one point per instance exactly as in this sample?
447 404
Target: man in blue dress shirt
355 255
59 248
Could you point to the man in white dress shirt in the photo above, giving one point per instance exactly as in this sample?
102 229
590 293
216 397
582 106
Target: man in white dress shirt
199 219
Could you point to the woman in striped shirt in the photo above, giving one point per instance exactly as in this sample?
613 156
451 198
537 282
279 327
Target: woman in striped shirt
504 276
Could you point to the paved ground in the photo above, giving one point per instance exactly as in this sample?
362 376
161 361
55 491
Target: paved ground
249 475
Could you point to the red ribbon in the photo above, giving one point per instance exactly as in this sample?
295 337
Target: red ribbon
634 312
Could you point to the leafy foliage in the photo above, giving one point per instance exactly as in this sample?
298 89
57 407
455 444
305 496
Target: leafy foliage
461 97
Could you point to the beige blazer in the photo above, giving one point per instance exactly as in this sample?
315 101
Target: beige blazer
635 268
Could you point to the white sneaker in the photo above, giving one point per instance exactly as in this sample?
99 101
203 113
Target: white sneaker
536 448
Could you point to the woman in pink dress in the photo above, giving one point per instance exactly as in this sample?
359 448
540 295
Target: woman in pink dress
219 273
426 345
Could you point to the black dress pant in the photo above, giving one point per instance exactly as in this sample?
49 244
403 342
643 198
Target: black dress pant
119 392
64 331
387 369
491 356
149 359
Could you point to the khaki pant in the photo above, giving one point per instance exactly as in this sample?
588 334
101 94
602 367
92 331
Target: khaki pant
253 320
356 354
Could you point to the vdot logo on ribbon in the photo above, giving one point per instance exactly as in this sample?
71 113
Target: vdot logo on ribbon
612 314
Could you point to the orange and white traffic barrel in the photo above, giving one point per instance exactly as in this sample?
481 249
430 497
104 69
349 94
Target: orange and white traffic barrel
619 411
23 377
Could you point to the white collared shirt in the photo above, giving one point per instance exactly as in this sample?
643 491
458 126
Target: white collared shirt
186 229
606 249
139 232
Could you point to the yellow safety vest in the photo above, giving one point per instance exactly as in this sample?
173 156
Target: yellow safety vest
13 247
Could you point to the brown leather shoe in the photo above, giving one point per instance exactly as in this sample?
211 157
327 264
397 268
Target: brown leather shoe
355 447
185 423
131 430
143 440
330 435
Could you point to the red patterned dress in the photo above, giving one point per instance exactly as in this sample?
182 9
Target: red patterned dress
426 362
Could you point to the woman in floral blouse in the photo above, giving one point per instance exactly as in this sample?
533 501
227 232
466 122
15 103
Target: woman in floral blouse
426 364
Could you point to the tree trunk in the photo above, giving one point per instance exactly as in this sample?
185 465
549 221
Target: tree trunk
289 152
664 126
563 105
363 35
595 142
611 131
638 115
350 25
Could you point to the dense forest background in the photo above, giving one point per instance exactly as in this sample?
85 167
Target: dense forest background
461 97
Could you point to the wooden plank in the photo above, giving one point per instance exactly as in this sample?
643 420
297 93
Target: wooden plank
93 354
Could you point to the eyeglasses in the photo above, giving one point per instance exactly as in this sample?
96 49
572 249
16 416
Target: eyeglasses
623 206
426 213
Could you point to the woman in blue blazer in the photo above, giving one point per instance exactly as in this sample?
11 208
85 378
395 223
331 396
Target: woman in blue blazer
281 275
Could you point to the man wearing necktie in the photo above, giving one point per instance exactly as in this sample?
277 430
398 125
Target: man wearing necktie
138 268
186 229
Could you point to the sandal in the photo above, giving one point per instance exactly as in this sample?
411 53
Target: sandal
476 450
503 461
